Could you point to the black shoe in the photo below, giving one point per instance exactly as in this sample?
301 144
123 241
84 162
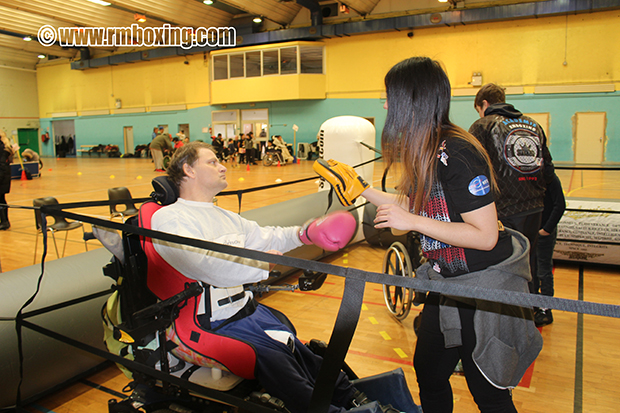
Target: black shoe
5 225
543 318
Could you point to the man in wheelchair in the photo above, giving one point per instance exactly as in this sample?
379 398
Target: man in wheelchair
285 367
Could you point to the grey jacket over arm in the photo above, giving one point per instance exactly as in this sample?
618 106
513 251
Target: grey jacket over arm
507 341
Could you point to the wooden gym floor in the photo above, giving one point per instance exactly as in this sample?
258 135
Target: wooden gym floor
578 369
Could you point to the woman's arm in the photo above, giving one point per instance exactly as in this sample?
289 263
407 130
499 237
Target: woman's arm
376 197
479 231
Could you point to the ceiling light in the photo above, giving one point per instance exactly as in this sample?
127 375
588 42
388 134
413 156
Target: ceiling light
100 2
141 18
41 56
257 19
443 1
208 2
27 38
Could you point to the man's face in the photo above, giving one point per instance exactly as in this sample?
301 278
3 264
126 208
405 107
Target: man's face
209 172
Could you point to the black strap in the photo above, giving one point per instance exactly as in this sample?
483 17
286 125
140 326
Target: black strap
248 309
231 299
441 287
346 322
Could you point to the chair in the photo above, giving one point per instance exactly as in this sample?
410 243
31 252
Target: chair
60 224
121 193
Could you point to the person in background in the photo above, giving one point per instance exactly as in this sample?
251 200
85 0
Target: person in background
29 155
517 146
241 146
6 156
554 207
158 145
281 145
232 153
249 148
155 132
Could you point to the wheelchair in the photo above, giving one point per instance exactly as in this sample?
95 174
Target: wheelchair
151 297
273 157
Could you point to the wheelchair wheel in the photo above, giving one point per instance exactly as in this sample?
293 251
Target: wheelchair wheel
268 159
398 299
166 161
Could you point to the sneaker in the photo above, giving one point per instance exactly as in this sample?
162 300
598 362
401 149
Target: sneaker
543 317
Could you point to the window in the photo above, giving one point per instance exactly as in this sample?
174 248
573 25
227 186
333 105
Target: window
220 67
288 60
270 62
252 64
311 59
236 65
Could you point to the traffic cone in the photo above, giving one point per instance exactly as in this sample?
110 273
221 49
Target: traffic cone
278 163
248 168
24 177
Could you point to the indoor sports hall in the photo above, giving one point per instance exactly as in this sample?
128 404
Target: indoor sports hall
90 113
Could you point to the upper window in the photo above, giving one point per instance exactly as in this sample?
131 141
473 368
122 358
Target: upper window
289 60
311 59
220 67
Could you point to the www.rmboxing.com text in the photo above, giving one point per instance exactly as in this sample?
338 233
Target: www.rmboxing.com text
136 36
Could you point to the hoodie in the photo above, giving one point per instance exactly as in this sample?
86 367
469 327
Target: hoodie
517 146
507 341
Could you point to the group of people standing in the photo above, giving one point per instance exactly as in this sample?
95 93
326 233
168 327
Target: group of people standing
245 147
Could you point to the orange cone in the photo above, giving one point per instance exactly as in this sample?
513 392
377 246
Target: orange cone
278 163
248 168
24 177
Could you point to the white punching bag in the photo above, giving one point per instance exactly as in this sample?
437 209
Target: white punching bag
340 139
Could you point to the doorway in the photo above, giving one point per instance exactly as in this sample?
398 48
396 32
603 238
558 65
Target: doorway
64 137
28 139
128 139
589 137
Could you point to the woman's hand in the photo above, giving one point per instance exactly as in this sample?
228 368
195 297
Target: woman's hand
394 216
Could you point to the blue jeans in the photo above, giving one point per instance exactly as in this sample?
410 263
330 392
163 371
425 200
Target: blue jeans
287 375
545 247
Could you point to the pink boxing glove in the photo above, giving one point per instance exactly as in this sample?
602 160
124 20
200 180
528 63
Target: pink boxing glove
330 232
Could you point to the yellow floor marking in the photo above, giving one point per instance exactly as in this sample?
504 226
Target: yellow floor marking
401 353
385 335
373 320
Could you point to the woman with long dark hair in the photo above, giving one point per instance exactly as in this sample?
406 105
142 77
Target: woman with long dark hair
445 193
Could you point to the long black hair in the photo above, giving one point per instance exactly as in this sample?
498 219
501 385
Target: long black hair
418 98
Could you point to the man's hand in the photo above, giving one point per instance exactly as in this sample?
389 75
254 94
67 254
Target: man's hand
271 264
330 232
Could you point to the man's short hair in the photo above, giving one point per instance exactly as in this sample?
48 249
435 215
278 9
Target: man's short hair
490 92
186 154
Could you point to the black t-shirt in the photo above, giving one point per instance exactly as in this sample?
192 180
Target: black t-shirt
462 186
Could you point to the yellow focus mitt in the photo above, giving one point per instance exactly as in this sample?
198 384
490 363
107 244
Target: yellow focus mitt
347 184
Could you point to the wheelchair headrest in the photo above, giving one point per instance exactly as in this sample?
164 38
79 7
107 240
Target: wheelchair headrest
165 191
